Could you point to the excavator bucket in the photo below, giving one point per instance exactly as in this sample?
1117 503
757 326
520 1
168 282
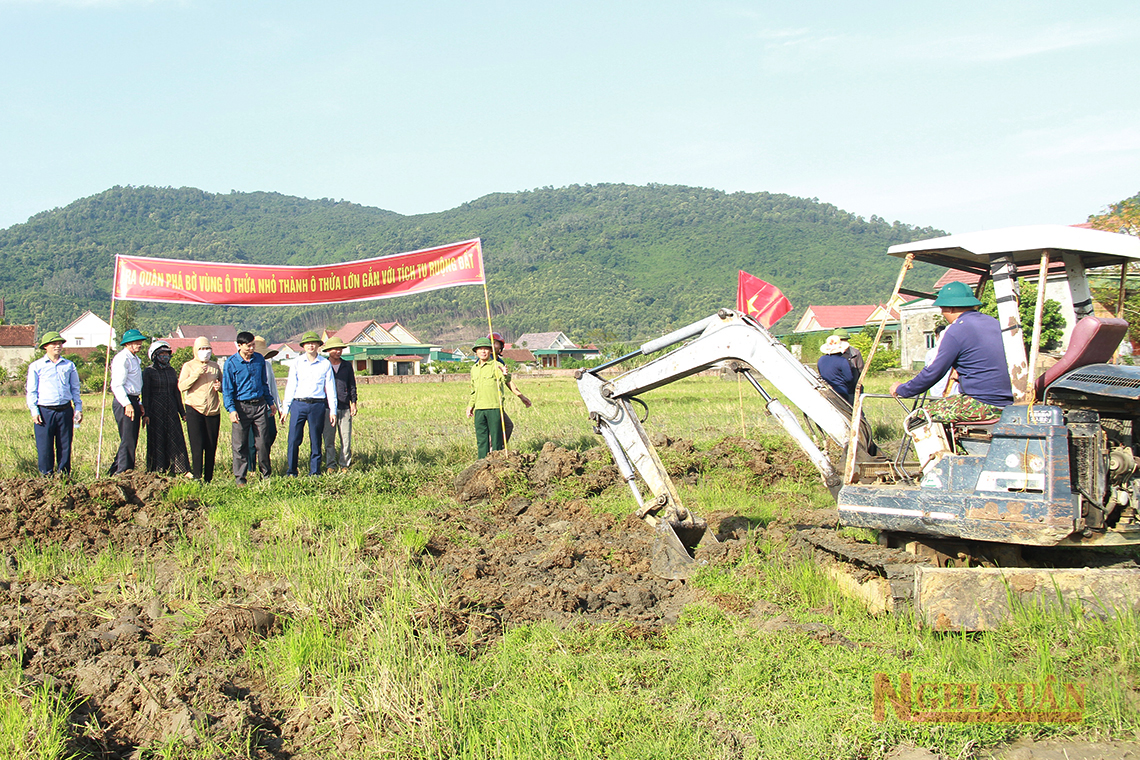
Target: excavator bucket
672 553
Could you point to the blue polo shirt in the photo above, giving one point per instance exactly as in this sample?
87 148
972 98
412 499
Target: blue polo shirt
972 345
244 381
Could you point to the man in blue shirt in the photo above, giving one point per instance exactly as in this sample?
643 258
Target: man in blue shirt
310 397
246 396
53 399
972 345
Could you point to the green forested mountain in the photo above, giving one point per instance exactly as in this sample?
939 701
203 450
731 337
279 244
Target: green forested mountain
599 262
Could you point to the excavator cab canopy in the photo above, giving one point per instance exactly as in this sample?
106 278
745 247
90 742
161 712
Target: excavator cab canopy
1002 256
972 251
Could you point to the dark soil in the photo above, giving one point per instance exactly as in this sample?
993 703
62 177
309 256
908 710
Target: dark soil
520 544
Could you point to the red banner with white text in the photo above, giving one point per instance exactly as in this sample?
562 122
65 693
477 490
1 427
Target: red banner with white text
173 281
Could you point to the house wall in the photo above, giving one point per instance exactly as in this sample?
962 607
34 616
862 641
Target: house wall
87 332
11 357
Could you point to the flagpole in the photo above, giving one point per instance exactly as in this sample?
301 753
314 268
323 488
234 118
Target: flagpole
106 370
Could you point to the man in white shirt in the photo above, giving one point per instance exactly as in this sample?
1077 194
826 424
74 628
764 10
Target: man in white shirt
310 396
53 399
126 385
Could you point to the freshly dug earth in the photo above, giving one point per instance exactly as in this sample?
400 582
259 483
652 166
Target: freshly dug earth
520 544
518 550
87 642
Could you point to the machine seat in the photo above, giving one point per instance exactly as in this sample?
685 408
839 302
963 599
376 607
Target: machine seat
1094 340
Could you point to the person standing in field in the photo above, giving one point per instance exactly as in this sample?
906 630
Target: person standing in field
53 399
201 380
853 355
508 423
126 387
165 444
488 391
260 346
835 370
310 397
245 395
345 379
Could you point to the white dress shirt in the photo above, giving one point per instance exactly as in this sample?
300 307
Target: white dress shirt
126 376
310 379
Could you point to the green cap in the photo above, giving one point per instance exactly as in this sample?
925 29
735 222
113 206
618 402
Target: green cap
483 343
51 337
310 337
132 336
841 333
956 294
334 342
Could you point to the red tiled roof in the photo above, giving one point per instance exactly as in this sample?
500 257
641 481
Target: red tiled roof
23 336
351 330
1028 272
831 317
220 347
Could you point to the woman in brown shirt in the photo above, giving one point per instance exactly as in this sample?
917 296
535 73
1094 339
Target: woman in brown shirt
200 381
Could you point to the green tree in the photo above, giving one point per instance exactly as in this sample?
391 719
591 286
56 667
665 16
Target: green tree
1052 321
180 357
126 317
1123 217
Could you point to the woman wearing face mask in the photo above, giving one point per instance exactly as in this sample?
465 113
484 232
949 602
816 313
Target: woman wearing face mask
200 380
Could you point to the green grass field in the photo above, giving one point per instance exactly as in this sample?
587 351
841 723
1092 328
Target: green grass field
715 685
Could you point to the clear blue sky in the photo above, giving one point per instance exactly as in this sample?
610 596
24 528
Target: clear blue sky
964 115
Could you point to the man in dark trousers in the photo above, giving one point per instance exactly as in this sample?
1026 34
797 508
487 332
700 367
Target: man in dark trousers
53 399
310 399
345 407
126 386
246 396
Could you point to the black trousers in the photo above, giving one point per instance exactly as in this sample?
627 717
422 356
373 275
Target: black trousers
202 431
251 415
53 438
128 435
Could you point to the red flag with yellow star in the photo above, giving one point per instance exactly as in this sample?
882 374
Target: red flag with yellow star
760 300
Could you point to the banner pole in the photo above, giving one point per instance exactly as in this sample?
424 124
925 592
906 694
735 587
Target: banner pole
106 370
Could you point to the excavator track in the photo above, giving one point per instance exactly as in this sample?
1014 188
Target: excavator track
881 578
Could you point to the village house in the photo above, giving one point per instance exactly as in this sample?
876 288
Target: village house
88 331
17 345
382 348
549 348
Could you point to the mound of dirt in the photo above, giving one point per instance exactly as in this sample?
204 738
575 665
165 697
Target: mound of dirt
514 556
126 512
132 690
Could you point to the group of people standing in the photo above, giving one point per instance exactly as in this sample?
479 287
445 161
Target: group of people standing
320 393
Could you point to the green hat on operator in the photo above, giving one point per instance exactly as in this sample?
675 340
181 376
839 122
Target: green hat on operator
841 333
956 295
483 343
51 337
311 337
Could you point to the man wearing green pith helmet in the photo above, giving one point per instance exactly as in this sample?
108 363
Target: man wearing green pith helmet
972 345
